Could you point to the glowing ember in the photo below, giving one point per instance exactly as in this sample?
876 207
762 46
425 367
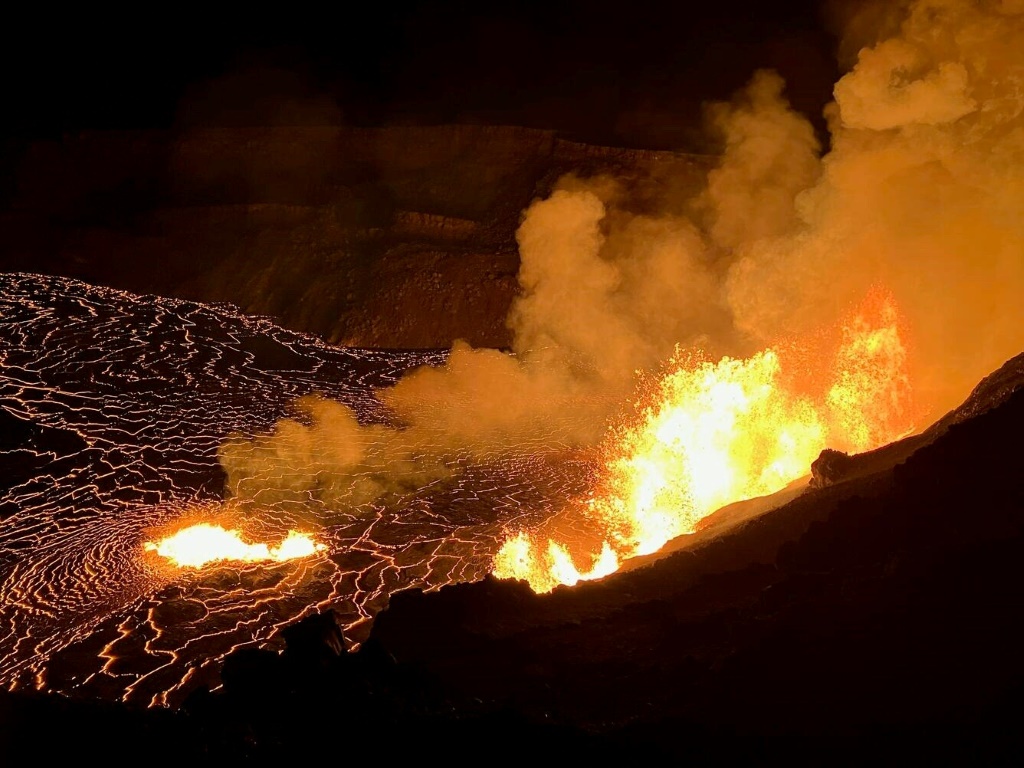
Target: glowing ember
715 433
200 544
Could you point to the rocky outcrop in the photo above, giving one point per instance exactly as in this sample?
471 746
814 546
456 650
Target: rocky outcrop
829 468
397 237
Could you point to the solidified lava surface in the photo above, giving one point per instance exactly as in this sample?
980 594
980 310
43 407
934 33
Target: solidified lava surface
112 407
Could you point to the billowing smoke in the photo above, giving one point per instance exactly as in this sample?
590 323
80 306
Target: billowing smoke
921 193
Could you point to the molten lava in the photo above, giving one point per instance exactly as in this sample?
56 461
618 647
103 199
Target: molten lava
713 433
869 399
203 543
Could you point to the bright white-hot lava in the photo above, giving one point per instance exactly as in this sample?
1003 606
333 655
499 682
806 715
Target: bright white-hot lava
205 543
712 433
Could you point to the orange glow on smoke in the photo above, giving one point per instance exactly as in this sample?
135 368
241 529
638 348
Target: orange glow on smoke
713 433
868 401
203 543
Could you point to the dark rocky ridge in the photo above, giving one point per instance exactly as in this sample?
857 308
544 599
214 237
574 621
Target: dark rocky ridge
400 237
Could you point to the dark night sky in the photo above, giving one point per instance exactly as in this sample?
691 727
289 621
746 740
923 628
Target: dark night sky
629 72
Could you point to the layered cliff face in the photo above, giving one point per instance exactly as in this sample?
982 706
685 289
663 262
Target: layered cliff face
393 237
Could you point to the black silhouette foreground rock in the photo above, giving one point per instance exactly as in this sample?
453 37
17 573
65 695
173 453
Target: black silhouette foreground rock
829 468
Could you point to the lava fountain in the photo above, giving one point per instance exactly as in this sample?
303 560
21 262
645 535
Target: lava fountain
708 434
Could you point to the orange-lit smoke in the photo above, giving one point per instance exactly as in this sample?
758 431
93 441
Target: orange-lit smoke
920 192
767 266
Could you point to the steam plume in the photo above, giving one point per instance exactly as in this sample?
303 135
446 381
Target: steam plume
921 192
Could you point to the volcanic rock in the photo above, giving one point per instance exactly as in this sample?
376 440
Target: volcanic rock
315 640
829 468
398 237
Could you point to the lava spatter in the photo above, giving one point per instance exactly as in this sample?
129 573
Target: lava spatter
712 433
